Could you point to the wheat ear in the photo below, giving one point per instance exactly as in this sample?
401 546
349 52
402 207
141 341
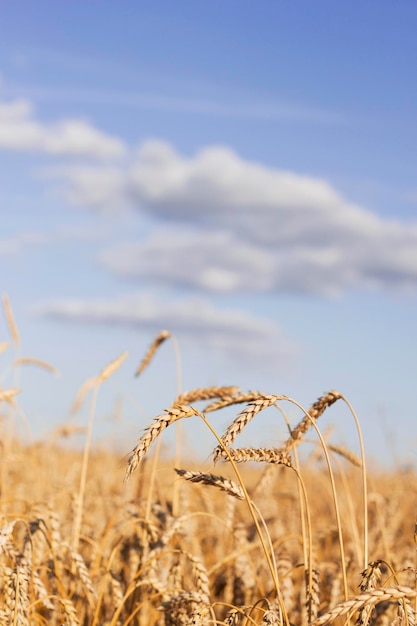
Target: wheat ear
10 320
28 360
234 398
254 407
174 413
204 393
7 395
260 455
4 346
314 412
159 339
214 480
358 602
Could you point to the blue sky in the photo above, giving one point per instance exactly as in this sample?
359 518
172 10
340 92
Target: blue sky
242 174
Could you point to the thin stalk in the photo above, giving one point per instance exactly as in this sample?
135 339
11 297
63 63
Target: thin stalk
83 479
304 507
152 479
364 484
252 512
178 427
349 500
334 492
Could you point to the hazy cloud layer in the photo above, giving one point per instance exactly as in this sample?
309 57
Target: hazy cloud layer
213 261
235 225
221 223
219 262
21 131
231 333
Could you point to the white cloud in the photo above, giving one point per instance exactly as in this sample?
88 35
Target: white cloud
100 187
213 261
231 333
217 181
246 227
220 262
20 131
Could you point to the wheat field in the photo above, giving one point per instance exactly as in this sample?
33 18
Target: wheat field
252 535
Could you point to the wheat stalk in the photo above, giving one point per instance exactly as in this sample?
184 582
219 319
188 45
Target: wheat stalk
10 320
89 384
159 339
28 360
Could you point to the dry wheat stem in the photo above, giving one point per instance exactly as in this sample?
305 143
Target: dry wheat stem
318 408
351 509
28 360
364 479
159 339
10 320
270 558
83 478
189 397
306 526
89 384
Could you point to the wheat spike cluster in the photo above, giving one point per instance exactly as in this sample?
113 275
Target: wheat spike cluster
276 523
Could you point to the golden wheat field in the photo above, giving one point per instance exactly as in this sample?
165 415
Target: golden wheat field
250 536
